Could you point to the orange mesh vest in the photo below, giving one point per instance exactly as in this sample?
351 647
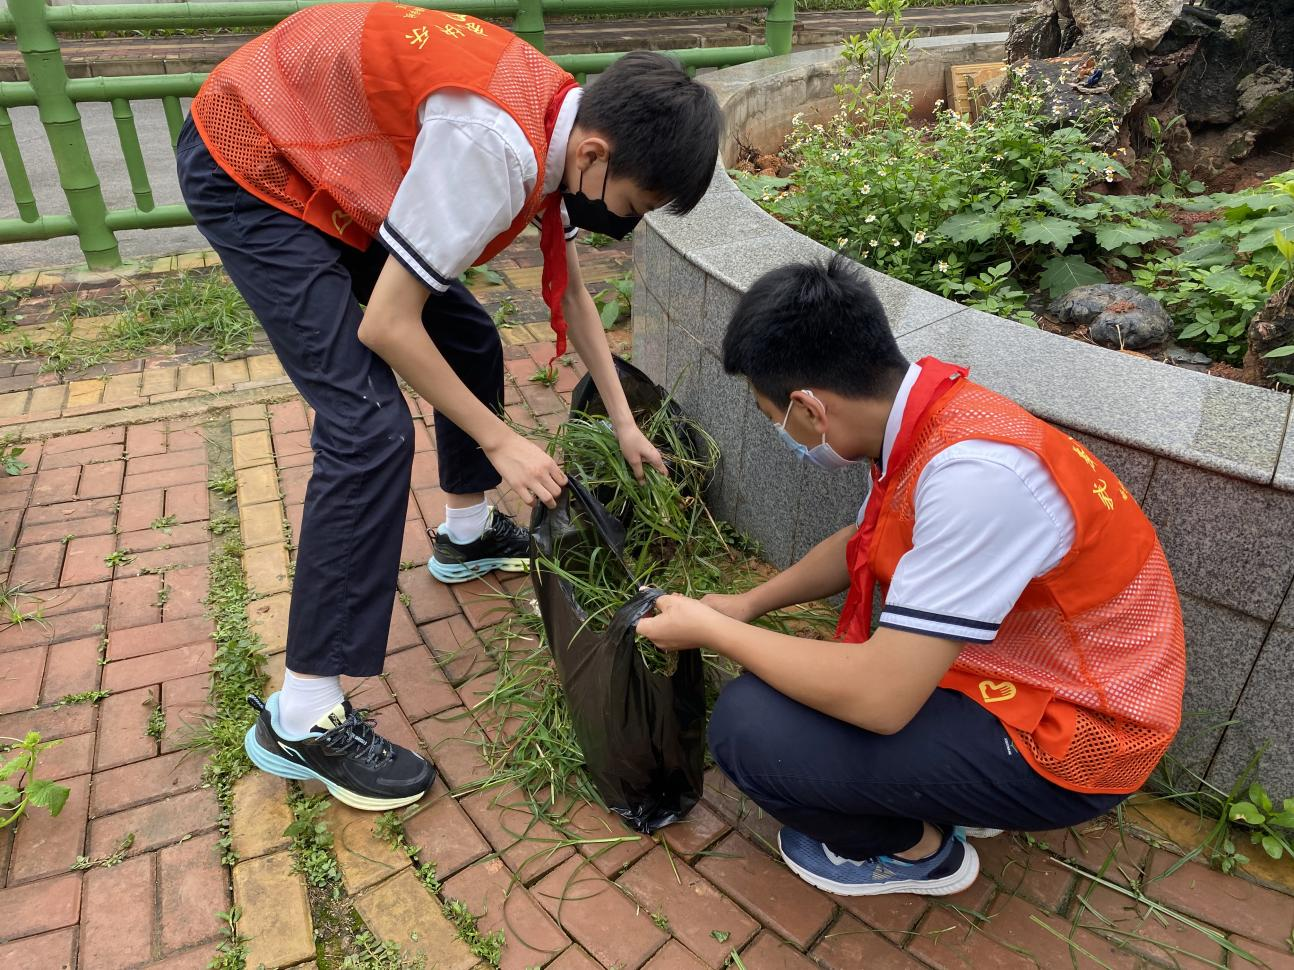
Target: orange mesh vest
1087 670
319 115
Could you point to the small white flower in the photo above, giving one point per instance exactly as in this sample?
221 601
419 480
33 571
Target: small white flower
941 266
997 158
870 218
842 242
866 189
1109 175
919 237
894 242
873 244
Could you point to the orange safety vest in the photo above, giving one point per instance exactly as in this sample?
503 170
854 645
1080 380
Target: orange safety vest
1087 670
319 115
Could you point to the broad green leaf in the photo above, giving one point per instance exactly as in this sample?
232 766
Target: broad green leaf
15 764
1129 204
1055 232
9 795
1193 330
610 314
1272 846
1285 351
1284 820
1206 253
1246 812
1062 273
971 226
46 794
1118 234
1284 245
1258 794
1261 233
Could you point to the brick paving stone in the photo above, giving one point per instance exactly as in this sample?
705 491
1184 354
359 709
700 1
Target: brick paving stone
176 557
674 956
288 417
848 944
275 911
167 461
37 567
188 503
199 958
20 679
50 951
416 544
1274 959
403 911
85 440
574 958
57 630
768 890
482 602
700 829
530 846
78 599
100 481
193 889
367 693
1126 923
585 904
260 815
83 562
142 640
1024 871
138 509
187 590
168 537
402 633
145 781
118 915
393 725
268 619
38 907
55 485
185 703
1229 902
457 647
68 511
442 833
1099 846
70 757
123 721
70 668
152 668
49 722
156 824
530 937
694 908
145 439
363 857
94 525
294 482
596 824
425 473
191 472
1016 934
895 914
45 845
770 953
134 602
418 683
453 740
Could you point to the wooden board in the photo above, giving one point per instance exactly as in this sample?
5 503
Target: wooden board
961 79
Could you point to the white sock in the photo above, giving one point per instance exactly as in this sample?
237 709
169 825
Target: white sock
466 525
304 702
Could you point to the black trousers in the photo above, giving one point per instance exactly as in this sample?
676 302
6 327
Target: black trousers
865 794
306 288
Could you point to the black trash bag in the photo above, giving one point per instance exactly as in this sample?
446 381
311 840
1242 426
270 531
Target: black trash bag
642 734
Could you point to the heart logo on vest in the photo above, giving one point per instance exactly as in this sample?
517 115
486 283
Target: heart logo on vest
340 221
993 691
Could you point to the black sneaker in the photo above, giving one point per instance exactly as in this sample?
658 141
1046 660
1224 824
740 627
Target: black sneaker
357 765
503 545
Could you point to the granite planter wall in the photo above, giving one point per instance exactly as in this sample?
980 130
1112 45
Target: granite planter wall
1211 461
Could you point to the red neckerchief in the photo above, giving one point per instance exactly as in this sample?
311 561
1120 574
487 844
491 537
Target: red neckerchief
935 380
552 238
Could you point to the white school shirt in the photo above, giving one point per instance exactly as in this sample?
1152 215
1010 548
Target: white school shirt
471 173
989 519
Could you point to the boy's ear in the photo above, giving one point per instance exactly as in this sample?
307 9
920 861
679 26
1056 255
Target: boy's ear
814 408
591 148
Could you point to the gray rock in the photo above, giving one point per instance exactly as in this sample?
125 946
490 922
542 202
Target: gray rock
1185 357
1266 98
1115 315
1133 23
1034 33
1207 93
1272 327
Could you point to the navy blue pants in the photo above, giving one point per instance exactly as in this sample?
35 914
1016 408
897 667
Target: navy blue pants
866 794
306 288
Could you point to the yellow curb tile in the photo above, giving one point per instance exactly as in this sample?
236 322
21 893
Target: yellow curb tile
186 261
190 394
84 392
276 921
262 524
195 375
268 618
22 281
264 367
88 328
13 404
525 279
159 380
260 815
363 857
50 277
229 371
253 449
514 336
211 258
540 332
46 400
256 485
267 569
122 387
403 911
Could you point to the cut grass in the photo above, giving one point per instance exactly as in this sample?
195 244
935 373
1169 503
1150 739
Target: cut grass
195 308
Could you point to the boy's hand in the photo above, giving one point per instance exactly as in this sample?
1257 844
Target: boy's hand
738 606
638 450
680 623
527 469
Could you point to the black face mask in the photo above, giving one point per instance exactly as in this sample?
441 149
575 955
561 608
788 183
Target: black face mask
593 214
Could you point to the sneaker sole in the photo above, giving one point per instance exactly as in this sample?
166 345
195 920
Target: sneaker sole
270 762
980 833
462 572
955 883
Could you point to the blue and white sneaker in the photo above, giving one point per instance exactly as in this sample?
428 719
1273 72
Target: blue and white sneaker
950 870
356 764
503 546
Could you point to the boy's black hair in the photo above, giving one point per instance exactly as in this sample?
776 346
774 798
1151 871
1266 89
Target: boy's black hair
810 325
662 125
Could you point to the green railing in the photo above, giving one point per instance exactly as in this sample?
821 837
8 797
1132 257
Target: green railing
56 96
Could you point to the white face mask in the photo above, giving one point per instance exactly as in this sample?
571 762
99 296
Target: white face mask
822 455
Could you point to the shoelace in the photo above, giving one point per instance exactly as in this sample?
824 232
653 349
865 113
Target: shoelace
508 530
355 736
